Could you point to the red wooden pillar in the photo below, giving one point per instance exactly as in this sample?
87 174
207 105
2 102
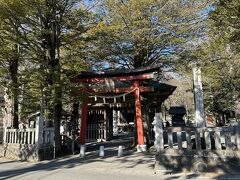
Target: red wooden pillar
83 123
138 114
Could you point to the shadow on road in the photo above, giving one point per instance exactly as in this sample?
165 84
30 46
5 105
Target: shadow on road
130 160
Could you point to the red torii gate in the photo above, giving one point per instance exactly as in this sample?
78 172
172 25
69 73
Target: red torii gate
122 75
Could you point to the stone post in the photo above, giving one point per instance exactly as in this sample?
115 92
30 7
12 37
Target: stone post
82 150
120 151
198 95
101 151
158 129
39 134
4 135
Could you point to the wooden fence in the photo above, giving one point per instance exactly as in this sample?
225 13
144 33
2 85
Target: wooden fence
96 132
20 136
192 138
27 136
33 144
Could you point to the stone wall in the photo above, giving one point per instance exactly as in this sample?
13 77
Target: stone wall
1 128
196 149
201 161
1 150
27 152
1 134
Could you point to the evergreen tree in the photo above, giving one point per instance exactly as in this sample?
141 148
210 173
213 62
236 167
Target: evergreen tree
137 33
222 56
46 30
218 56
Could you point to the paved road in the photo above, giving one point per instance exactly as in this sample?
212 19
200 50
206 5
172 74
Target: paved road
131 167
91 167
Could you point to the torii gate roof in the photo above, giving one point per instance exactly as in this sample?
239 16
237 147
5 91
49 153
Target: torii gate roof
117 72
152 90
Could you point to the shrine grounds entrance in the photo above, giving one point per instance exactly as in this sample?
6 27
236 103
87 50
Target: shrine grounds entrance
123 140
134 95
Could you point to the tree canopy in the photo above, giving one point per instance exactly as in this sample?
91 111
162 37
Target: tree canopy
223 74
137 33
218 56
37 38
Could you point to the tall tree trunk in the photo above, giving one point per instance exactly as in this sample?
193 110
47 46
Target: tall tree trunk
13 67
75 110
74 116
51 46
146 124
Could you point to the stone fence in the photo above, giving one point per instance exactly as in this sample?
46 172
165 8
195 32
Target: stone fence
32 144
185 147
